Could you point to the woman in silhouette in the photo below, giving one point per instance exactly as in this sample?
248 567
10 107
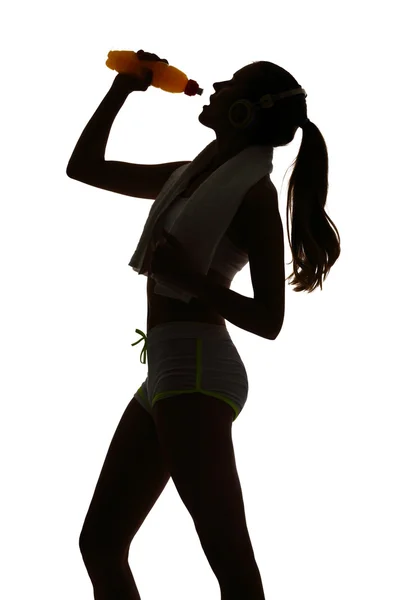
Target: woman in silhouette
187 436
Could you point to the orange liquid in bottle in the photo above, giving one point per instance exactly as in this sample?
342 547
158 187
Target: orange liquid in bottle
166 77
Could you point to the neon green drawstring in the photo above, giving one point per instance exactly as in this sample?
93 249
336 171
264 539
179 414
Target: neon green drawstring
144 351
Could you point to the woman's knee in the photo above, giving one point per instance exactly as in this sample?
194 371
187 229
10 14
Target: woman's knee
93 543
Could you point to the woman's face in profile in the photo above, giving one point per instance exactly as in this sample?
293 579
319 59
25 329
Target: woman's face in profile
226 93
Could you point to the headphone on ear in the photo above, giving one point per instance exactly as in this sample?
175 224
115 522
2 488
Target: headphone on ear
266 101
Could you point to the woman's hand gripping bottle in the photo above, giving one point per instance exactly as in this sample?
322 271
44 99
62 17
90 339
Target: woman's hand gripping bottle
138 70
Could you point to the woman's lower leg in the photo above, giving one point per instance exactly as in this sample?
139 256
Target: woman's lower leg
242 584
112 580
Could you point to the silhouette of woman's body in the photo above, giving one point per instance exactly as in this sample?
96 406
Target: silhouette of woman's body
188 438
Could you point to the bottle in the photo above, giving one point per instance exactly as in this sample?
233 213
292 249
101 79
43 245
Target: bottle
166 77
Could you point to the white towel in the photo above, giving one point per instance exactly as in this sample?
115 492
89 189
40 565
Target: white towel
208 212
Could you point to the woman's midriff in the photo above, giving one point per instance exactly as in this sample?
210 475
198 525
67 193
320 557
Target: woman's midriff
162 309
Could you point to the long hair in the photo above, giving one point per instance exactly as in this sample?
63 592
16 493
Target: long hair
314 240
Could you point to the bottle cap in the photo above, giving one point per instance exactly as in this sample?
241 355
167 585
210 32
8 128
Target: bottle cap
192 88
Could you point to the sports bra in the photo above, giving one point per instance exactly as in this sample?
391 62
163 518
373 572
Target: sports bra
228 258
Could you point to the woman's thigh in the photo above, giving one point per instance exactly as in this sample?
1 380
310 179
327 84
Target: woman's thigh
132 478
196 440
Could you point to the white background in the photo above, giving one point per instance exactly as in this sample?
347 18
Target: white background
321 421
